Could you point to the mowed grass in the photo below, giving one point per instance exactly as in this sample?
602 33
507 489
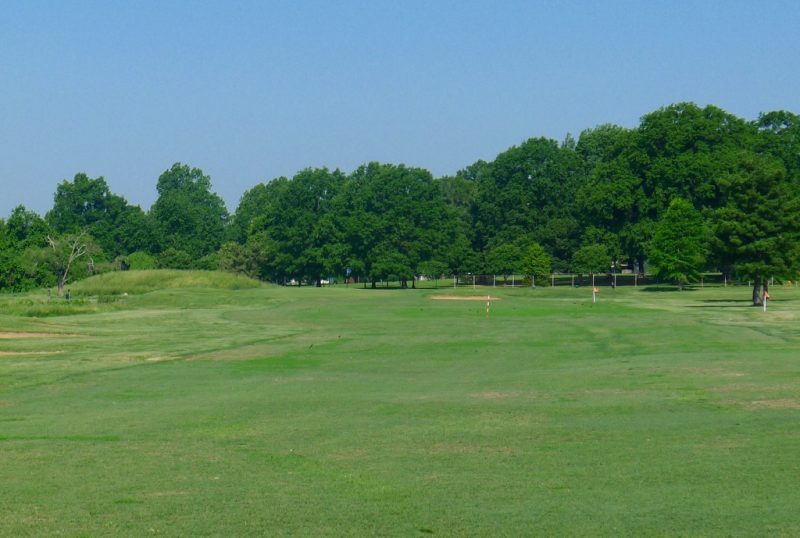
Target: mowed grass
351 412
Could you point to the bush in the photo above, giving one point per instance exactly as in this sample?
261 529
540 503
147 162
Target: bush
139 261
173 258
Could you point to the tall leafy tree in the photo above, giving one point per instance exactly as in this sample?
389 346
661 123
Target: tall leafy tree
677 251
779 135
591 259
523 191
505 259
254 203
87 204
187 215
296 217
394 218
756 231
537 263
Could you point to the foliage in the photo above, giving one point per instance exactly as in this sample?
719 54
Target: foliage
505 259
677 251
593 258
87 204
187 216
139 260
537 263
173 258
590 203
757 228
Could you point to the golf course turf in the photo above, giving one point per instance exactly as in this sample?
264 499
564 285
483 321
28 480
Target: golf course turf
246 409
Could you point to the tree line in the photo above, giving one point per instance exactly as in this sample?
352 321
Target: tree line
689 189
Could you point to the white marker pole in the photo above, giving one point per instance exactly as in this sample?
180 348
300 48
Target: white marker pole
488 305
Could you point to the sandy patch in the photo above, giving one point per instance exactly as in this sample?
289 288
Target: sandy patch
6 335
464 298
785 403
496 395
14 353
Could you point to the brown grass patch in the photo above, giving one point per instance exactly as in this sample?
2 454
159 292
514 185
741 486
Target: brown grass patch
499 395
465 298
8 335
783 403
14 353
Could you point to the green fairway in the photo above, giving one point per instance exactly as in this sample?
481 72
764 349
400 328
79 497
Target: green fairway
349 412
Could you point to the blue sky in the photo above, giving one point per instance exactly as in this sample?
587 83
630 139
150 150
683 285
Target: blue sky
249 91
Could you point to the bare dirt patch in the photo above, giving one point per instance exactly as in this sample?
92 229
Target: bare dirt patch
784 403
497 395
15 353
464 298
8 335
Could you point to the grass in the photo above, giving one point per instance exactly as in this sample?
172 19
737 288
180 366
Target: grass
347 412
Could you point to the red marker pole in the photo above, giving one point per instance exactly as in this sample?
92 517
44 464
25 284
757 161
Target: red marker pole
594 294
766 299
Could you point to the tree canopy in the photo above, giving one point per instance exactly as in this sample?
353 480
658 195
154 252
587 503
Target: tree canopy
688 189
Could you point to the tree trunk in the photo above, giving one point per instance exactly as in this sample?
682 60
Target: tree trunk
757 293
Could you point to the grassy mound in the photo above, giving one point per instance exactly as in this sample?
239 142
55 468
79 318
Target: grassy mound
137 282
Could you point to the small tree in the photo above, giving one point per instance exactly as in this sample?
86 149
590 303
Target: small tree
61 253
536 263
505 259
677 250
432 269
591 259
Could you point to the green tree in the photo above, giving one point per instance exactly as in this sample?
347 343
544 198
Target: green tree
253 204
756 231
522 191
505 259
24 232
86 204
393 218
677 250
591 259
537 263
296 216
187 216
173 258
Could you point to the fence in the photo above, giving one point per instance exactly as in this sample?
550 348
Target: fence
578 280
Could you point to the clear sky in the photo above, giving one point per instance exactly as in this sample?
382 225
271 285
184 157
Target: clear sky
249 91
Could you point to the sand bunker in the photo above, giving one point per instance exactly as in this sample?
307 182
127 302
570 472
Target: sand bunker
464 298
